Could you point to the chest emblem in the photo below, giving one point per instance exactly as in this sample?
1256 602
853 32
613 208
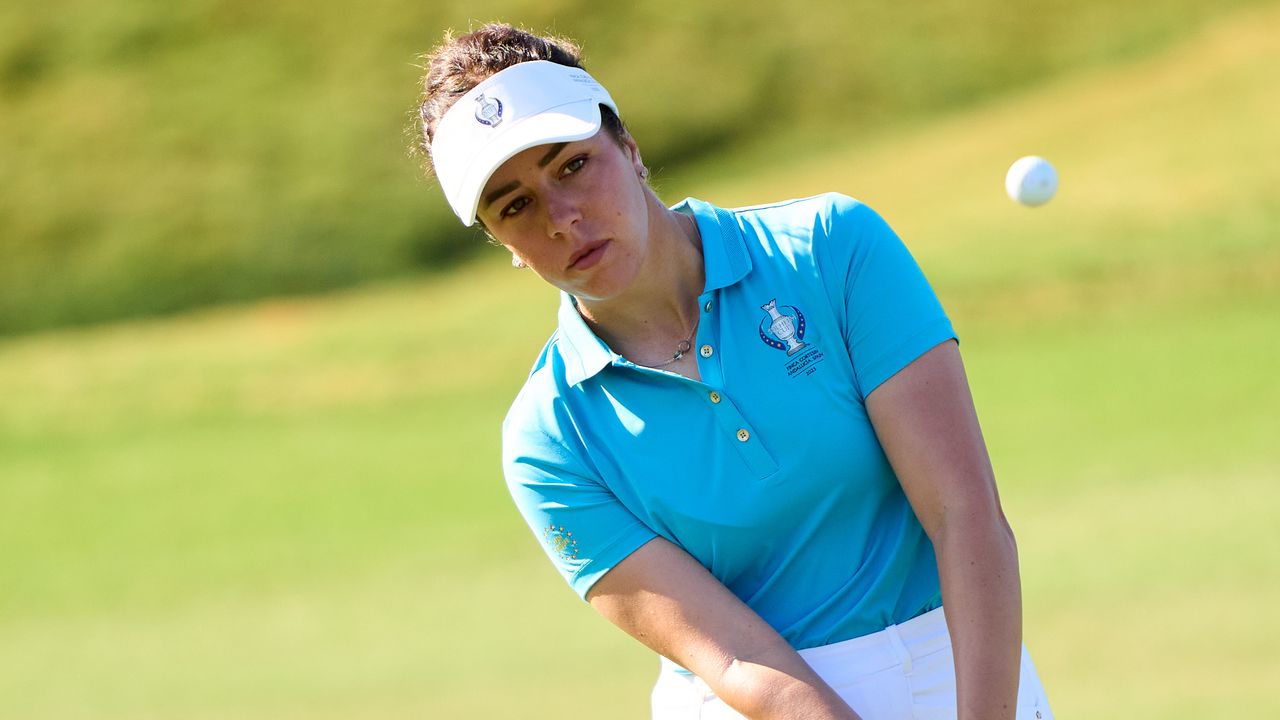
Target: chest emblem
490 111
782 328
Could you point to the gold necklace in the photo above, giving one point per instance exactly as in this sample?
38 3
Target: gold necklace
684 347
687 344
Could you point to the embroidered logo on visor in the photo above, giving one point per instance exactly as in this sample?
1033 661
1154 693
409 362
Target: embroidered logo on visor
490 111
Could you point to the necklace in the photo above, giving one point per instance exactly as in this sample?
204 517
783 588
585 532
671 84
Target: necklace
682 348
691 233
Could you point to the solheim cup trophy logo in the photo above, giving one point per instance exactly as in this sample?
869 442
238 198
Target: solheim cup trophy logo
783 328
490 111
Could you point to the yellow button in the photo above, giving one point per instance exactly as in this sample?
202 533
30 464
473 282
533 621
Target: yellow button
705 351
715 396
707 307
743 435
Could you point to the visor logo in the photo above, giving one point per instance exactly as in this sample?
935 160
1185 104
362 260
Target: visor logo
490 111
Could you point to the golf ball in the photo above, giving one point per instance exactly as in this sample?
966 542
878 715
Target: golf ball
1031 181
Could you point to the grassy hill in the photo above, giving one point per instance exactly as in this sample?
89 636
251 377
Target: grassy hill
158 157
294 509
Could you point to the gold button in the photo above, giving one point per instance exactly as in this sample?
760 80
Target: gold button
715 396
707 307
705 351
743 435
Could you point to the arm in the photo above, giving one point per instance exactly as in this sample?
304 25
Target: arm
926 422
664 598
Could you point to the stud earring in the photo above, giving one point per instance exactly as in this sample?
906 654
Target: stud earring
516 262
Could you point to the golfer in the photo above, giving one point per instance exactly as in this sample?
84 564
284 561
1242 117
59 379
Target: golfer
750 443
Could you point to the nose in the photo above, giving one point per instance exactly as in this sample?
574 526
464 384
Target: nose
562 212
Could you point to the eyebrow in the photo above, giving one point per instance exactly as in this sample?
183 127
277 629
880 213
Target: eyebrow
546 159
488 199
551 154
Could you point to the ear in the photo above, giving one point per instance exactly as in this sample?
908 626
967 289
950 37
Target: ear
633 154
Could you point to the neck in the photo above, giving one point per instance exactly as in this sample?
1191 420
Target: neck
660 307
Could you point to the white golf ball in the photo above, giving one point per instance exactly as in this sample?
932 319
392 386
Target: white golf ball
1031 181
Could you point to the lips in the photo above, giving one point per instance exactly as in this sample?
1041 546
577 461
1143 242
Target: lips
587 255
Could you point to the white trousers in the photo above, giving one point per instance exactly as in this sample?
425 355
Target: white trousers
904 672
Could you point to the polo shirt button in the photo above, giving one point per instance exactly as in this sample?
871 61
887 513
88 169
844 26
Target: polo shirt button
715 396
705 351
743 435
707 307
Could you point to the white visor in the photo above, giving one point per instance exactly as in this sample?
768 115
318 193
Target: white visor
528 104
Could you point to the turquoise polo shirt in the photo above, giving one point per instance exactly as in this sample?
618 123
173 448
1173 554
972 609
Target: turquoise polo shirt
767 471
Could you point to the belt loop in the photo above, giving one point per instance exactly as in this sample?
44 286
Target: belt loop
899 649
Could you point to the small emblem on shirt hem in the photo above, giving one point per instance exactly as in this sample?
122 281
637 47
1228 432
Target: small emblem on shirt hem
561 541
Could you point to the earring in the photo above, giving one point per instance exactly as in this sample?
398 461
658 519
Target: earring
516 262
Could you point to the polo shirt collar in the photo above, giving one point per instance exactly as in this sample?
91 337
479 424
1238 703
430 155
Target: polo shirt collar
584 354
725 262
724 252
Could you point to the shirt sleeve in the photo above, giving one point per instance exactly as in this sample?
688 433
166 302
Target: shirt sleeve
582 526
889 313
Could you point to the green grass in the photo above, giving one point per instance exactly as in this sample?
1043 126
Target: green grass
164 156
294 509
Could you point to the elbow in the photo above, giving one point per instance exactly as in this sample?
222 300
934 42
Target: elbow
1003 541
758 691
1004 528
1004 533
1000 526
995 525
986 525
738 686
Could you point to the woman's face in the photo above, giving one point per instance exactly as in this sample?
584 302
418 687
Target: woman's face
575 213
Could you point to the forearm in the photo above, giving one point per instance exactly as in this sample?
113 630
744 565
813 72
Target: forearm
665 599
982 594
779 687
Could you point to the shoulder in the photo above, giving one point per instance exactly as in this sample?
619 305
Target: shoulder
831 227
544 383
828 232
818 214
541 439
537 414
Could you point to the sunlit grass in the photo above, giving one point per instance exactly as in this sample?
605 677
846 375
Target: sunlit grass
165 156
295 509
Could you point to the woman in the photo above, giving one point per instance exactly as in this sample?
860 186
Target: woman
750 443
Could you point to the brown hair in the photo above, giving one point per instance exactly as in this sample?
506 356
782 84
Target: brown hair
458 64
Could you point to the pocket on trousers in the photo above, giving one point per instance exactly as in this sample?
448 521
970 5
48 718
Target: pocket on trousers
676 698
933 686
1032 702
879 696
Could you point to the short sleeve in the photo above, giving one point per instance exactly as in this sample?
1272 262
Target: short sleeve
582 526
890 314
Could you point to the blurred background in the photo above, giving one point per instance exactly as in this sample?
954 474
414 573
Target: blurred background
252 370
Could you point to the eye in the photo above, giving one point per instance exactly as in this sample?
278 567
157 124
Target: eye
514 207
574 165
